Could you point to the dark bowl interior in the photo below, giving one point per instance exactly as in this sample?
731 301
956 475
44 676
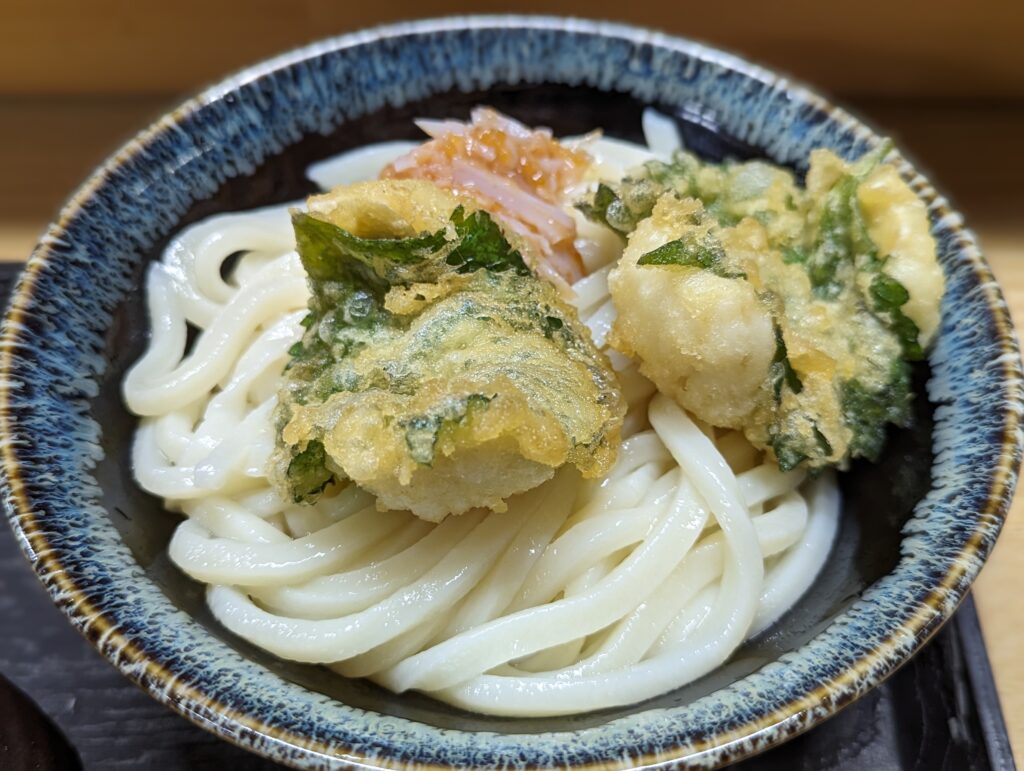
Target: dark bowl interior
877 499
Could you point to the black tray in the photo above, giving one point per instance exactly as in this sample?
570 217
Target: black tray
940 712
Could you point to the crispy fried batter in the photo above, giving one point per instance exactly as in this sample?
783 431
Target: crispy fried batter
786 313
459 385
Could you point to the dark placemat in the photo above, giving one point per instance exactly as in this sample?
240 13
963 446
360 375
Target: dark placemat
940 712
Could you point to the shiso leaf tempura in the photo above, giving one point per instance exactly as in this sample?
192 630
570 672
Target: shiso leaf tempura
436 371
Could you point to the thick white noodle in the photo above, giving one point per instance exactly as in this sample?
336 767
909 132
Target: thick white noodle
357 165
661 134
584 595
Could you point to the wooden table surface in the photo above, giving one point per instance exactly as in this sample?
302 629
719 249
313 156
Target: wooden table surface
971 150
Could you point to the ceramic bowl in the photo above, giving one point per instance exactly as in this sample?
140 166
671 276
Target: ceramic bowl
916 527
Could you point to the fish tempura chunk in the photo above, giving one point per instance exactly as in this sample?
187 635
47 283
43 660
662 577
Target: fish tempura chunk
792 314
704 339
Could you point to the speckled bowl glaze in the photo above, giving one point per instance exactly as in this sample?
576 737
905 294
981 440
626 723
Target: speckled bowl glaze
916 527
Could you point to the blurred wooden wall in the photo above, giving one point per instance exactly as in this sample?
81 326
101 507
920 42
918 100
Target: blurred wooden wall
878 48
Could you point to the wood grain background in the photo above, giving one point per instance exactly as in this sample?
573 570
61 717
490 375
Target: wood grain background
943 48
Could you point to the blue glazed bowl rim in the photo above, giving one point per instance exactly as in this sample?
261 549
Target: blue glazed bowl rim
143 660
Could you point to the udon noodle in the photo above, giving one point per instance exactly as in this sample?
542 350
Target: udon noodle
583 595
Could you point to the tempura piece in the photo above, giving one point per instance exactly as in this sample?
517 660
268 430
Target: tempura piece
702 336
518 174
789 314
436 371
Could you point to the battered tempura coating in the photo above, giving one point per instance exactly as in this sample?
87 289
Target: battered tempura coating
437 371
704 339
790 314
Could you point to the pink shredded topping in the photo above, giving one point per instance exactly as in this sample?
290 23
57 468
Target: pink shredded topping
517 174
